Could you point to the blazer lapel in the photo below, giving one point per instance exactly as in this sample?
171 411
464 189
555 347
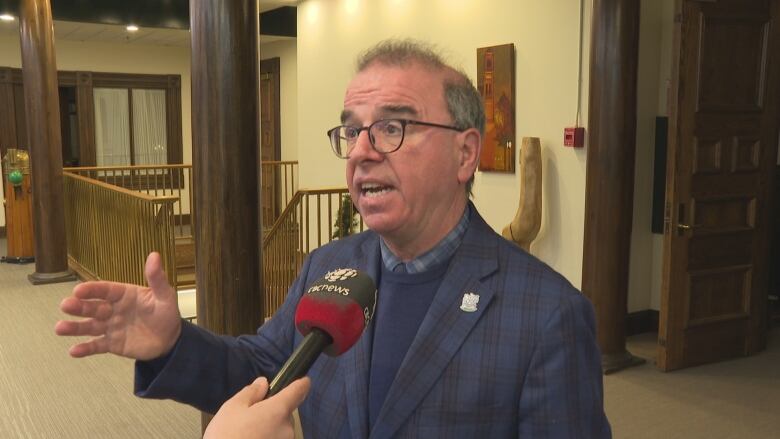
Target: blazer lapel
444 328
357 361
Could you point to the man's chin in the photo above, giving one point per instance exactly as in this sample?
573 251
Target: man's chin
379 223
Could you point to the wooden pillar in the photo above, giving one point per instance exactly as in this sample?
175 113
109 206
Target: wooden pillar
41 98
609 189
226 141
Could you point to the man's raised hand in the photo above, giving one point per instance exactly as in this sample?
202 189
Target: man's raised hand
137 322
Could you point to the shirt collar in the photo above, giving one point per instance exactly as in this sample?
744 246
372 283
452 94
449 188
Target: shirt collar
438 254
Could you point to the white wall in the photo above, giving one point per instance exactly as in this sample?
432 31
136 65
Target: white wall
545 34
120 58
285 50
664 78
654 74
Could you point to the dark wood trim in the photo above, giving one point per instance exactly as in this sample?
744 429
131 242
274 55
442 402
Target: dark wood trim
173 114
130 80
130 125
609 186
2 232
41 97
273 66
641 322
85 107
226 148
7 111
226 154
22 140
85 82
68 78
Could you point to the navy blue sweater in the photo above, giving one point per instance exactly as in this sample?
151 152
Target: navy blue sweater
402 302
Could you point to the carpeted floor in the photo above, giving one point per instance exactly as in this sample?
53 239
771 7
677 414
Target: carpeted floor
735 399
46 394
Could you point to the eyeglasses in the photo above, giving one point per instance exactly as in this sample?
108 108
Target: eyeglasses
385 135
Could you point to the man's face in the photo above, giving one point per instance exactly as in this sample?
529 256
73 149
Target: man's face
415 195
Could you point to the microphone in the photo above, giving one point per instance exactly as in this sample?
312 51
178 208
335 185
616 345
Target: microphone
331 316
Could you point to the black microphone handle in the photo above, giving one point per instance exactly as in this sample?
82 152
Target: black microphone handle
301 360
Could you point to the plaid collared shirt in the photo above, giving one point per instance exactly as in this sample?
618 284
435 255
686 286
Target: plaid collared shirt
433 257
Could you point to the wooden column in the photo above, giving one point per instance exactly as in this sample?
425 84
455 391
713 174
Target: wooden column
226 167
609 189
41 98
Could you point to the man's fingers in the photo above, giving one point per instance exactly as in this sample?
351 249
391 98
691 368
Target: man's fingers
155 276
95 346
110 291
253 393
85 327
293 395
98 309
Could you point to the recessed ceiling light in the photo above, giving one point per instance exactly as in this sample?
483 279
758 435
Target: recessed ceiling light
7 17
132 28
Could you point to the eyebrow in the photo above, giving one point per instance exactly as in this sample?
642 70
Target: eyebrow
385 110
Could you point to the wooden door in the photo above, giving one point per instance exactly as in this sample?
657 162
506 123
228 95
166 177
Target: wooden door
723 146
270 139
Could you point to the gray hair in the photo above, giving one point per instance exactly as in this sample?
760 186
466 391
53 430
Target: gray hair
464 102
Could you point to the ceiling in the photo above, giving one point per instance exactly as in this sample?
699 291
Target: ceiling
117 33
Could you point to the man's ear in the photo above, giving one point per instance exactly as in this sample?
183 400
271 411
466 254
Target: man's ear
469 149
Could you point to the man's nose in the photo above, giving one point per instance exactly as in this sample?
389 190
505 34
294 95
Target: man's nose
363 150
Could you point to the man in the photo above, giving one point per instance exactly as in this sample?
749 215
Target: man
472 336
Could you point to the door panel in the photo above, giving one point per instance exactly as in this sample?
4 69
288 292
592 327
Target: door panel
723 144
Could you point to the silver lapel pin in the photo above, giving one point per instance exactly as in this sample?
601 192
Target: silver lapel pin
469 303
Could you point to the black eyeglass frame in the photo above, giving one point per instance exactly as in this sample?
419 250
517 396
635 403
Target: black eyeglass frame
372 140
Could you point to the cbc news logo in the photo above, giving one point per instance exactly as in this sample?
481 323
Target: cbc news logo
340 274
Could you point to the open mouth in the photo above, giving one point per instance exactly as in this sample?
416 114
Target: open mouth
374 190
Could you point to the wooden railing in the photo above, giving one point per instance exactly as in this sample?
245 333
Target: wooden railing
278 184
112 229
279 181
117 215
311 219
153 180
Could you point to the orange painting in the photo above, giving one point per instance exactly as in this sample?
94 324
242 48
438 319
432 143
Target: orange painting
496 82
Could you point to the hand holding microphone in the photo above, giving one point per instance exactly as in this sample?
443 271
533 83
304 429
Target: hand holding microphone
331 316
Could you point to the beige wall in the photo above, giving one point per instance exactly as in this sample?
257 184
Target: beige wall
288 94
655 52
664 78
546 38
654 74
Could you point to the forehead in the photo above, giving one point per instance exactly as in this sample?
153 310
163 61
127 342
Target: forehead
418 87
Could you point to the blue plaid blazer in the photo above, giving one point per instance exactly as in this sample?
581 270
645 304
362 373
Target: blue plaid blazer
525 364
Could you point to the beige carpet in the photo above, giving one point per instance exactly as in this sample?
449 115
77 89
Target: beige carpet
46 394
733 399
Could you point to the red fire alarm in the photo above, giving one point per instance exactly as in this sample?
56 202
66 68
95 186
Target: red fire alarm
574 137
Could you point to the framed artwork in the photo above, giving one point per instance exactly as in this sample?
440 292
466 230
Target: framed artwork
496 83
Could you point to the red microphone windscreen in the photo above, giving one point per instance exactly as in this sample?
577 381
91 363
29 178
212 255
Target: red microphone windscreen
341 304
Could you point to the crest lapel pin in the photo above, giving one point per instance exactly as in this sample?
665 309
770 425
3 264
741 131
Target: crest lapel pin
469 303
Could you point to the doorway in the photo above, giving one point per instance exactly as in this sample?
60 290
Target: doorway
723 135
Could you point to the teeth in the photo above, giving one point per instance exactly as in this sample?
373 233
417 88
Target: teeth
374 189
373 193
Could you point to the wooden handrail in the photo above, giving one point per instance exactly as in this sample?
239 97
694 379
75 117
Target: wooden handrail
296 199
126 168
121 190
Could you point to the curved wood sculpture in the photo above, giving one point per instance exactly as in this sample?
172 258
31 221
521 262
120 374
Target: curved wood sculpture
528 219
